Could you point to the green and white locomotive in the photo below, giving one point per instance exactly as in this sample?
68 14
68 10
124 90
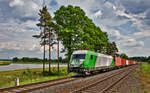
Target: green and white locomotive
84 61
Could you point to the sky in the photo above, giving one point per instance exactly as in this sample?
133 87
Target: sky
127 22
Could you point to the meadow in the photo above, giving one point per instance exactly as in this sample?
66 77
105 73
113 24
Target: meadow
27 76
5 62
145 76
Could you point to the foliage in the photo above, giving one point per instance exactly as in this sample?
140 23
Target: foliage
94 39
35 60
123 55
15 59
77 31
28 76
112 49
141 59
46 22
26 59
45 18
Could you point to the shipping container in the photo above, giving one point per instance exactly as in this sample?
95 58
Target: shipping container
117 61
133 62
129 62
123 61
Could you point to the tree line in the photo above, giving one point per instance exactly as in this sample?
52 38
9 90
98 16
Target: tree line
141 59
36 60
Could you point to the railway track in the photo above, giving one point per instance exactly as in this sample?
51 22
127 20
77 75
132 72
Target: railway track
100 83
105 84
35 86
95 84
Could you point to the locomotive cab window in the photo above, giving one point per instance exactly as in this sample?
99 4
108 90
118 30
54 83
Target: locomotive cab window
78 56
91 56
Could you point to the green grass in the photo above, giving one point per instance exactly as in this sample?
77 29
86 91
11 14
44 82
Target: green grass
5 62
146 68
28 76
132 91
145 73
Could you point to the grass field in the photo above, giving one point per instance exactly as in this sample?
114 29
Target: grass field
28 76
5 62
145 76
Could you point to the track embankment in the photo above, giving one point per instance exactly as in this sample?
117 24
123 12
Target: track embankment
108 82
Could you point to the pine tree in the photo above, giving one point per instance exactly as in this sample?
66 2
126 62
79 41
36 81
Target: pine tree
45 22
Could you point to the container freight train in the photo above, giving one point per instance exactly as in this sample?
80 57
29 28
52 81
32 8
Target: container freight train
86 62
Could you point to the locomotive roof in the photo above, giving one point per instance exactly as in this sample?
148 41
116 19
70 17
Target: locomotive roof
80 52
94 53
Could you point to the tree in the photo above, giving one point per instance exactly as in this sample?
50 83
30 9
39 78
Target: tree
77 31
55 29
68 21
123 55
112 49
58 54
46 32
15 59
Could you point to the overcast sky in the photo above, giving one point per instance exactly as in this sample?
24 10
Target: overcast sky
127 22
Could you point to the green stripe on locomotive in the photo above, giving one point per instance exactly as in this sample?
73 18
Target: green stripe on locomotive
90 60
113 62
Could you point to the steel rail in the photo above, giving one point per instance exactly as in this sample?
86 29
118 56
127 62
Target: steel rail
35 86
116 82
95 83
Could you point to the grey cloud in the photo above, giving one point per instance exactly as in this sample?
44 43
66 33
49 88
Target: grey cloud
24 9
136 7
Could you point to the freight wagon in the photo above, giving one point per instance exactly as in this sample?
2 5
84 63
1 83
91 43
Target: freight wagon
118 61
130 62
84 61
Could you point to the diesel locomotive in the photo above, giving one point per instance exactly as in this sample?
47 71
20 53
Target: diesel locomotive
85 61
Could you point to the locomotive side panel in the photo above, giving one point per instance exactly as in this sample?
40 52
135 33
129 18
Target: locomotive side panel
103 60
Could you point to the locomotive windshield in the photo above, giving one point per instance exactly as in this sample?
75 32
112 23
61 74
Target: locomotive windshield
78 56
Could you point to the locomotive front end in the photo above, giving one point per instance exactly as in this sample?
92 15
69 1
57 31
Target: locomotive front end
77 61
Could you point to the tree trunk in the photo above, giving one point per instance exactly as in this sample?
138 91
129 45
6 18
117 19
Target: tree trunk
58 55
69 54
49 54
44 54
